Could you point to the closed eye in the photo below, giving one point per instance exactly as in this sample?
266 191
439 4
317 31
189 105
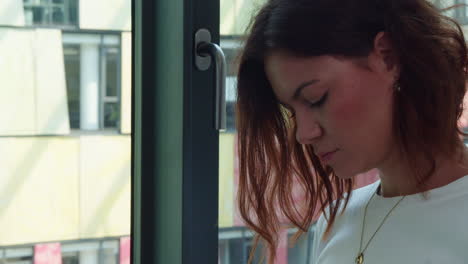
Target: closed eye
320 102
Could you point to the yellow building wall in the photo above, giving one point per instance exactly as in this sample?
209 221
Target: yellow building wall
33 97
105 186
51 90
11 13
64 188
226 179
126 94
17 91
106 14
38 190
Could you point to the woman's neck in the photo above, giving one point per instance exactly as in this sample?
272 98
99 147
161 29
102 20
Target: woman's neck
396 179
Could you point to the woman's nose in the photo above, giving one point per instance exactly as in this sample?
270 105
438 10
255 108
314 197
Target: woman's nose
308 130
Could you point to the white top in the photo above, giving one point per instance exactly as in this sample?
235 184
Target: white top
418 231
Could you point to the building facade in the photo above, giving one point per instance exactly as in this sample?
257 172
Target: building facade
65 77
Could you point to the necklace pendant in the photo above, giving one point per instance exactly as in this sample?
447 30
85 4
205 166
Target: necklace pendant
360 259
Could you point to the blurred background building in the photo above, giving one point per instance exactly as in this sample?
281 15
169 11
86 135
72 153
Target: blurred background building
65 94
65 133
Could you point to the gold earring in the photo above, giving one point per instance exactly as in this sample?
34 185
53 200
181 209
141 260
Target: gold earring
397 86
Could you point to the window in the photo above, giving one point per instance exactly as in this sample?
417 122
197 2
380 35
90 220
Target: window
462 12
235 245
301 251
16 255
103 252
70 258
231 47
72 72
92 69
51 12
110 78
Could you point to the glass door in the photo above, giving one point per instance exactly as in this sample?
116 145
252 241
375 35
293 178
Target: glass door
175 144
184 168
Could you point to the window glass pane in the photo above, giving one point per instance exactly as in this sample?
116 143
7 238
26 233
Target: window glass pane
51 12
112 60
111 115
466 9
25 260
38 15
28 16
237 253
300 251
72 12
110 252
93 80
72 71
16 255
58 15
70 258
259 253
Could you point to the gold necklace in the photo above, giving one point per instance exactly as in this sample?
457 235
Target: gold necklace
360 257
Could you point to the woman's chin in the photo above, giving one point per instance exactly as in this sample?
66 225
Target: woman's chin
345 174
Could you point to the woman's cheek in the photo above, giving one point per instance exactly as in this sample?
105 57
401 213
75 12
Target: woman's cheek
347 113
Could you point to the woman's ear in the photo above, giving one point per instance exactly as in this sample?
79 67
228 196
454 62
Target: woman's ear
385 53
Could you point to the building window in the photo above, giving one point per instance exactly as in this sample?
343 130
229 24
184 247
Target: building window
51 12
110 96
231 47
70 258
235 245
301 250
16 255
72 72
462 12
93 70
103 252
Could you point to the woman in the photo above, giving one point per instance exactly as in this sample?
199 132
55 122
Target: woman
328 89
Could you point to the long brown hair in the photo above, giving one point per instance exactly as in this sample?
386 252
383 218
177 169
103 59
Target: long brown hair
432 56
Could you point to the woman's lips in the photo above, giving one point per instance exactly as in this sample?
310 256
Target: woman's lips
327 156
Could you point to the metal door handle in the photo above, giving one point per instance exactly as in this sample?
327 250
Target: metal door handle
205 52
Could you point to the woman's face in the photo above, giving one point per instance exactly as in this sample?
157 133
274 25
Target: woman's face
342 107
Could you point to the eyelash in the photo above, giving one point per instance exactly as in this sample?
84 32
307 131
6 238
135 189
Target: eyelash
317 104
320 102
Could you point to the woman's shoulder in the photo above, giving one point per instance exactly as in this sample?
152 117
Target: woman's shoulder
360 196
357 200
